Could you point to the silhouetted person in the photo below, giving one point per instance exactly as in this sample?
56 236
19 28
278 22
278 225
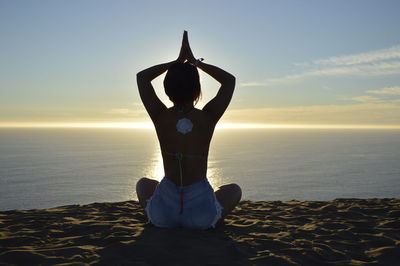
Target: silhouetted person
184 196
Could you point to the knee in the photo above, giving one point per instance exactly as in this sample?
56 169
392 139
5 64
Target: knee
237 189
234 189
142 181
235 186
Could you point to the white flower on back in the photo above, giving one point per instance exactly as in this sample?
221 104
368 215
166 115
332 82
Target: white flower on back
184 125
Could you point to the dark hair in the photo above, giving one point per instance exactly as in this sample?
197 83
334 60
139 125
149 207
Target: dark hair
182 83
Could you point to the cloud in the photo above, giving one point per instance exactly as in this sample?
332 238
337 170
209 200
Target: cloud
387 94
126 113
375 63
387 91
252 84
367 99
366 113
362 58
119 111
377 69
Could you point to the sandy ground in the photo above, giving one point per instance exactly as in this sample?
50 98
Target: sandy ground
338 232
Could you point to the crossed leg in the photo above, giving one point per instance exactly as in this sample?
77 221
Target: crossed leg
145 187
228 196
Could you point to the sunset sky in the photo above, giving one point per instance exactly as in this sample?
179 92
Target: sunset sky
295 62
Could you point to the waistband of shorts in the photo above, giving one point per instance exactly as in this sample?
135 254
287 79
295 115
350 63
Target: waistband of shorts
196 188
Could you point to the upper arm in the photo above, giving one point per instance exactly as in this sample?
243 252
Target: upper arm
217 106
151 102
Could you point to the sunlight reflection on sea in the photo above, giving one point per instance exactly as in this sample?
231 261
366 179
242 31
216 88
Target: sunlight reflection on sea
43 168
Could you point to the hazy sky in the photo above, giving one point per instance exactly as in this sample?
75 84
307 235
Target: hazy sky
296 62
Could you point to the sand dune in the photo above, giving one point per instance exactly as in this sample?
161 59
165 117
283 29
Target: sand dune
338 232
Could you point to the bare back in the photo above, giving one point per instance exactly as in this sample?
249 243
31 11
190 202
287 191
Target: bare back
197 141
195 144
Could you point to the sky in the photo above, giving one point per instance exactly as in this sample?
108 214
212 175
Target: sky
295 62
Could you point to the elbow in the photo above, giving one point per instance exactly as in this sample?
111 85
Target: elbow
231 80
140 79
139 75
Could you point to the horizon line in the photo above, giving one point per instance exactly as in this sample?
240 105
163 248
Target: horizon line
149 125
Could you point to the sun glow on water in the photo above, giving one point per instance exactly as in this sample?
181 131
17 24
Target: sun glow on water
144 125
156 170
149 125
158 166
301 126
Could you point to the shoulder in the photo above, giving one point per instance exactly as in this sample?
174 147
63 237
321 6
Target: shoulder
197 116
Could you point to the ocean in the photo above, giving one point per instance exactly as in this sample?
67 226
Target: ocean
42 168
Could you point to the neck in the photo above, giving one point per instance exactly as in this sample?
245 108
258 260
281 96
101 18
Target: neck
184 107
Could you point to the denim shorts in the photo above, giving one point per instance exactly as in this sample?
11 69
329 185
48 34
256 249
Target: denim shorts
200 208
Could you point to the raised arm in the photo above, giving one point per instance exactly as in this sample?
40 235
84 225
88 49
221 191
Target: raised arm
217 106
151 102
